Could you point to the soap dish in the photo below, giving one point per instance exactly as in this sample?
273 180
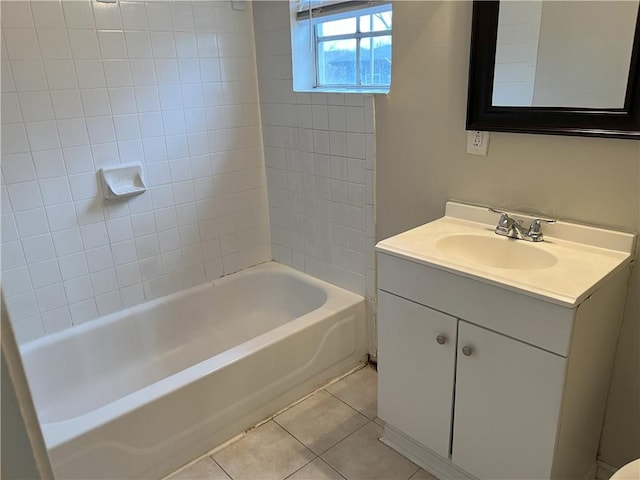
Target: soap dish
122 182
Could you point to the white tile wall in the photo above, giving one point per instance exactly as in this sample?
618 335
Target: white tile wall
85 85
320 159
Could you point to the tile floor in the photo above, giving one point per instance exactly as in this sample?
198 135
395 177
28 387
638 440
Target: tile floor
332 434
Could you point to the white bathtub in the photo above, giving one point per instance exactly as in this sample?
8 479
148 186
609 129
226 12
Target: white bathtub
141 392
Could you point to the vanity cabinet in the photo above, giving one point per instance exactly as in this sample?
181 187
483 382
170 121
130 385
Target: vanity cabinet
495 354
507 393
418 345
480 381
508 399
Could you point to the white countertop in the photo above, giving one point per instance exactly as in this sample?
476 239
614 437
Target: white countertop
586 256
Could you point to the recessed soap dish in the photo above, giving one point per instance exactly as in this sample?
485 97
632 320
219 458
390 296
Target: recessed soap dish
122 182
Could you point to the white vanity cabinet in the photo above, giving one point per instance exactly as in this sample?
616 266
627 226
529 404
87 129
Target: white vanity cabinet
508 398
418 345
507 393
481 376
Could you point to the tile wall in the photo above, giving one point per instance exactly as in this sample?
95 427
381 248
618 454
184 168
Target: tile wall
170 85
320 157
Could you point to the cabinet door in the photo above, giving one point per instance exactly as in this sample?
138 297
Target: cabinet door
415 372
508 398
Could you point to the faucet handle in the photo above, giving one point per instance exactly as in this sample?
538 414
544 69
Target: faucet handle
493 210
505 222
505 219
535 231
504 216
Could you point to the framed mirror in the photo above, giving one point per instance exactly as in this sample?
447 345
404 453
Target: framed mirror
555 67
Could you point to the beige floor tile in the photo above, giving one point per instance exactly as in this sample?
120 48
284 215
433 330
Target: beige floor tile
379 421
267 453
363 456
360 390
204 469
423 475
316 470
321 421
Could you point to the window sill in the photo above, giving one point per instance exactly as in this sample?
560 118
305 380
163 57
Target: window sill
363 91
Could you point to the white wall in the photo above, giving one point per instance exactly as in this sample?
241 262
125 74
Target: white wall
319 153
171 85
421 163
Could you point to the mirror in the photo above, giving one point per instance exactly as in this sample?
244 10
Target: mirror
555 67
566 54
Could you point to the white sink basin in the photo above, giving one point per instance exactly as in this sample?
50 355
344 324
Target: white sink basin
570 264
496 251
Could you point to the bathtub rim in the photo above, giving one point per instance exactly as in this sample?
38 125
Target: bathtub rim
338 300
76 330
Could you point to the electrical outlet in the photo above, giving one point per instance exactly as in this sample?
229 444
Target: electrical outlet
477 142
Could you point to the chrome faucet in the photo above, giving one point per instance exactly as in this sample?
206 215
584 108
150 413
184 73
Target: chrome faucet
512 228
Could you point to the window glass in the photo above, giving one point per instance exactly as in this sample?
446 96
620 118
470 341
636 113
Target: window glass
375 60
337 27
353 49
337 62
376 22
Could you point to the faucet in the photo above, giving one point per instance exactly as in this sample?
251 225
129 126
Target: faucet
512 228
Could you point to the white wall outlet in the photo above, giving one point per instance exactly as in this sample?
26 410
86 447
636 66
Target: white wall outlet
477 142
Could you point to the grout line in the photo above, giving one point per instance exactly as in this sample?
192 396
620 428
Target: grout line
234 439
321 460
185 466
262 422
288 433
375 368
221 468
224 445
356 430
294 472
297 439
323 387
386 446
414 473
334 444
315 455
348 405
332 468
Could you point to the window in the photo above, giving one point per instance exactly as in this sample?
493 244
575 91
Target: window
350 44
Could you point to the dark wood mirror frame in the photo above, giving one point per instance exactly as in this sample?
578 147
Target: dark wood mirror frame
482 115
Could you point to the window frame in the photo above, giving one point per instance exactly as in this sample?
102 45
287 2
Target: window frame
357 36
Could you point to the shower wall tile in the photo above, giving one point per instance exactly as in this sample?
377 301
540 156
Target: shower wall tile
85 85
320 164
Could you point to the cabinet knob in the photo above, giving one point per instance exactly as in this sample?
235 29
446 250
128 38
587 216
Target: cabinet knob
441 339
467 350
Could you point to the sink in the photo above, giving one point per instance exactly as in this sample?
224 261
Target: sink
565 268
497 252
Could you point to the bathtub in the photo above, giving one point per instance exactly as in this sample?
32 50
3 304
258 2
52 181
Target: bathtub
139 393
